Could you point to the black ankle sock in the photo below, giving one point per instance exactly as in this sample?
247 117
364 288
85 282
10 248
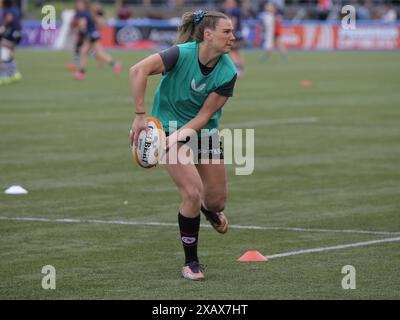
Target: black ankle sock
210 215
189 228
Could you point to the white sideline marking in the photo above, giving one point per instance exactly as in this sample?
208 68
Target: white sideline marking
68 220
384 233
164 224
252 124
343 246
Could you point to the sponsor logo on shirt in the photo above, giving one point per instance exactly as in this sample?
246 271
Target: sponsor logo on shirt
198 88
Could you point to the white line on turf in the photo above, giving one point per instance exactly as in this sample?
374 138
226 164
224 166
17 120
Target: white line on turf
164 224
343 246
252 124
384 233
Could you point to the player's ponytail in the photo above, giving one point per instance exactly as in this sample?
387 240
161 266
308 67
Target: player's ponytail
195 22
186 29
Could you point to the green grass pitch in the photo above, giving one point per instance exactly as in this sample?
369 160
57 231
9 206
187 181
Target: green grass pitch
67 143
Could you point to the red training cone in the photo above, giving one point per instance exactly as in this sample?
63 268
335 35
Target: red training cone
252 255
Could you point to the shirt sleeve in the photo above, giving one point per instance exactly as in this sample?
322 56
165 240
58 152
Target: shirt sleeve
170 57
226 89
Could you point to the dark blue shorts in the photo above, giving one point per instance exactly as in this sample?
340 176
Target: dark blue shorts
94 36
13 35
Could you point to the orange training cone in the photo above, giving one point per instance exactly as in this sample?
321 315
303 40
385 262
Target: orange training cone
252 255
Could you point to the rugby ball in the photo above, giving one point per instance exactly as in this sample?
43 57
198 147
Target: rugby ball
148 151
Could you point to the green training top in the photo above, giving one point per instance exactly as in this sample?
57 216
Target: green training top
183 90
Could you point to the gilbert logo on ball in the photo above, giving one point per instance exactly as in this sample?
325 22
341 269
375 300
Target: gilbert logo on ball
150 143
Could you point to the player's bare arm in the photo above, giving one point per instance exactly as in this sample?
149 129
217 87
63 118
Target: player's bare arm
213 103
138 75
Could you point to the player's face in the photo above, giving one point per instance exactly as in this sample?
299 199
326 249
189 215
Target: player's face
80 6
222 37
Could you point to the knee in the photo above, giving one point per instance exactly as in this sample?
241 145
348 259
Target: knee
215 203
84 50
193 196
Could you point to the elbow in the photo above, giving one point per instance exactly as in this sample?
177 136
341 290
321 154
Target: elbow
133 71
137 71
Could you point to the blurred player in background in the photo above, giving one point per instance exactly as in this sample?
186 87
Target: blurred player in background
10 36
272 20
88 20
123 11
99 19
232 10
78 42
198 78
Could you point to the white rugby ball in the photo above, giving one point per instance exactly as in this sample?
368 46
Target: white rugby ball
150 143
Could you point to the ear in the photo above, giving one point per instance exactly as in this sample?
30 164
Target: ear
207 34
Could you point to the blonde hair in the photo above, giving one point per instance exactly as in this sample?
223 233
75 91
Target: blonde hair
189 30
